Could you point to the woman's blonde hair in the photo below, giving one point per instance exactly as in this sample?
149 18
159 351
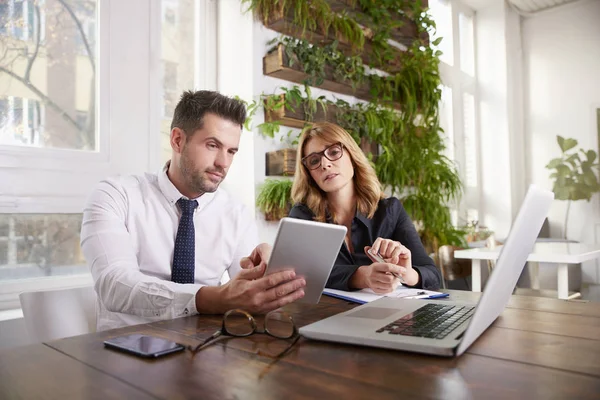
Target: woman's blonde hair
366 185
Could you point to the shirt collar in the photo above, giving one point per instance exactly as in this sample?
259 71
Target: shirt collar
359 216
172 194
363 218
368 223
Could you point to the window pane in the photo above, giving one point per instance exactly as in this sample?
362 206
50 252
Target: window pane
177 60
36 245
470 140
454 217
47 73
467 46
472 215
441 12
447 121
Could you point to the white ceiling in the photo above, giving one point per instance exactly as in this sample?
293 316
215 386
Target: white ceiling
532 6
523 6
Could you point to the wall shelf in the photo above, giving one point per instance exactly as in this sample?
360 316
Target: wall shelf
283 23
276 64
405 35
297 118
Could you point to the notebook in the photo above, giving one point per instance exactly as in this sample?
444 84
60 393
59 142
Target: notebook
367 295
445 327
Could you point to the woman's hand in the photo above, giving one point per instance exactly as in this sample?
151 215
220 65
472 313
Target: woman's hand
395 253
379 277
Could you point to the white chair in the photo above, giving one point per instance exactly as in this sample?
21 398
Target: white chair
55 314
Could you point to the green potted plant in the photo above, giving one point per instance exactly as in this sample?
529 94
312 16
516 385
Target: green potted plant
573 175
274 198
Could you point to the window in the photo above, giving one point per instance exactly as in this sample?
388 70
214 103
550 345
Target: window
69 119
179 56
467 44
447 121
441 12
21 122
48 136
456 24
169 88
41 80
37 245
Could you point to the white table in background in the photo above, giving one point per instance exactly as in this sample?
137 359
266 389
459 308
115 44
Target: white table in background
561 253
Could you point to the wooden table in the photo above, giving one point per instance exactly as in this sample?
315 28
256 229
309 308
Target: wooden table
538 348
560 253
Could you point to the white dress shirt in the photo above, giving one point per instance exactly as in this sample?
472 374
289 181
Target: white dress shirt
128 238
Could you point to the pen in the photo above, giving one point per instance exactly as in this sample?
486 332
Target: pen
380 259
438 295
395 275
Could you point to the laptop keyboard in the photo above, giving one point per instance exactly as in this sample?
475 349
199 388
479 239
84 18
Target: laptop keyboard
434 321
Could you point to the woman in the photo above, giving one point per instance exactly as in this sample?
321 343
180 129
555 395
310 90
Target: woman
335 183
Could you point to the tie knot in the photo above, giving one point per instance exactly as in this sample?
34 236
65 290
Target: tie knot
187 206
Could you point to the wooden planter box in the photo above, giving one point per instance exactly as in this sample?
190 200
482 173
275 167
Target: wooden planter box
369 147
297 118
276 64
406 34
280 162
277 214
283 23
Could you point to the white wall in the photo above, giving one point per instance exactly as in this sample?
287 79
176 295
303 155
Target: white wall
562 91
235 67
499 74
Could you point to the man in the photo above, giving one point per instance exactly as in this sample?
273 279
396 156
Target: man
159 244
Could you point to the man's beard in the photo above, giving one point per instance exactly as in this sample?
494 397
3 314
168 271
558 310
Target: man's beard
197 181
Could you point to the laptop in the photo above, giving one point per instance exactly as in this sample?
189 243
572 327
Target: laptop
445 328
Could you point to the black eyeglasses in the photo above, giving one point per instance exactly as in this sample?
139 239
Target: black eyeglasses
332 153
239 323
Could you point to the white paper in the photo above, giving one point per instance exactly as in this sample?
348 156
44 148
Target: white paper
367 295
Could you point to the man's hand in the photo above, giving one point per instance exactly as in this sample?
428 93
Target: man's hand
256 293
251 291
258 258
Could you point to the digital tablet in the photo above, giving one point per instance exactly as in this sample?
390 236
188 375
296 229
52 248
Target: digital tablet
311 249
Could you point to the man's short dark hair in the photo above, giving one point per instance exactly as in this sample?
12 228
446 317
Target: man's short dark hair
189 112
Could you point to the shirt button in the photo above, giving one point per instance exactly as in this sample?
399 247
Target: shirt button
186 311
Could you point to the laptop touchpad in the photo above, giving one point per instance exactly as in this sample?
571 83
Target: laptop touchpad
373 313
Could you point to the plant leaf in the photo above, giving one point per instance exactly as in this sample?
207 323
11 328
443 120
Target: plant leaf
555 162
568 144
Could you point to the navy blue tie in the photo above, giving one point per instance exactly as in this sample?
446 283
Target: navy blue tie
184 256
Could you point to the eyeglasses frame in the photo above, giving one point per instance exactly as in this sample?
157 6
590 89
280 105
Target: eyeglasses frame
225 332
322 154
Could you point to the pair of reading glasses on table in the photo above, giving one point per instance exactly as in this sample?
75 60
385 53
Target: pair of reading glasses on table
239 323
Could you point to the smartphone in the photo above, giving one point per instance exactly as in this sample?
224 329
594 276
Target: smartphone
143 345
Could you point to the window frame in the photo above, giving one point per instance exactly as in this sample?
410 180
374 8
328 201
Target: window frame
75 172
462 83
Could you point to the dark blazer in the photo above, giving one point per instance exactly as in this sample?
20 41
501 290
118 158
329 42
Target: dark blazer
389 222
